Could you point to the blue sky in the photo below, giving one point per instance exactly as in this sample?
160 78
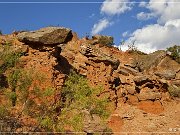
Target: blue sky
121 19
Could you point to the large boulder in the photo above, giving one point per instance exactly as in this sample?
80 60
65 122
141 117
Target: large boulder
46 36
167 74
145 62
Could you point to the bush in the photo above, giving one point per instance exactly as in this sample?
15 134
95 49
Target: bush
3 111
8 58
78 96
104 40
175 52
174 91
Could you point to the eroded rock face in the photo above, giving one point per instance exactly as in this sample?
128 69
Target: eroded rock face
122 81
46 36
94 54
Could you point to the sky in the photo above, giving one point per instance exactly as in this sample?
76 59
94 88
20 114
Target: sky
150 24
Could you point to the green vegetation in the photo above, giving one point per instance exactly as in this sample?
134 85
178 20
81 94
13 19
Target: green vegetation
174 91
77 97
3 111
8 58
175 52
74 102
106 40
1 32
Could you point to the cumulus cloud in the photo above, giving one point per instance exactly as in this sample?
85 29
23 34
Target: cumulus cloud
114 7
164 33
144 16
100 26
155 37
110 7
165 10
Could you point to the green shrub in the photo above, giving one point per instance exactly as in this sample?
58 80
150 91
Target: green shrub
175 52
13 79
46 122
174 91
48 92
104 40
3 111
77 96
8 58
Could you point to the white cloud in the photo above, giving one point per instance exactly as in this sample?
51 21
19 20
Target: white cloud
111 7
165 10
125 34
100 26
144 16
163 34
155 37
114 7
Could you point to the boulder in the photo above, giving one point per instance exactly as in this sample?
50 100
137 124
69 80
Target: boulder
46 36
92 123
139 80
145 62
127 70
167 74
104 40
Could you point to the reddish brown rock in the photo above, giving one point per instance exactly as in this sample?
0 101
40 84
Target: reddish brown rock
151 107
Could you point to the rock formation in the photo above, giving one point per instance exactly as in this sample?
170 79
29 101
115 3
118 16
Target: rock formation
127 78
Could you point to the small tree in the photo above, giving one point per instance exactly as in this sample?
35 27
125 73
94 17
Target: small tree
175 52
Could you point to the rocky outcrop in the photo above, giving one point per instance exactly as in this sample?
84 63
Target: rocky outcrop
145 62
125 78
93 54
167 74
46 36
